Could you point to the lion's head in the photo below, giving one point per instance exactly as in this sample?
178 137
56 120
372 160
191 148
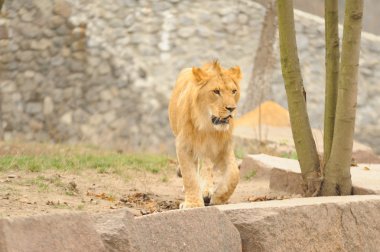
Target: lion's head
218 91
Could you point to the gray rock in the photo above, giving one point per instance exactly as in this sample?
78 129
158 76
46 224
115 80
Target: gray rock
243 19
186 32
56 21
62 8
27 16
59 232
159 6
342 224
24 56
114 229
33 108
8 86
67 118
40 45
129 20
204 31
186 21
30 31
205 229
229 18
48 105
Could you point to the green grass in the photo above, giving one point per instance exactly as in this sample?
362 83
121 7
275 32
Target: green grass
290 155
250 175
102 162
40 183
239 153
80 207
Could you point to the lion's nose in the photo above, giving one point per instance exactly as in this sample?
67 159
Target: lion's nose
231 108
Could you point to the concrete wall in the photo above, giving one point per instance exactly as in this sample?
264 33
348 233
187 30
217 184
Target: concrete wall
101 71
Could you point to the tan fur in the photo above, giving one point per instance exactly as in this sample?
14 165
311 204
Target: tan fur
193 104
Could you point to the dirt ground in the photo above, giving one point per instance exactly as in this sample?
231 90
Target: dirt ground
26 193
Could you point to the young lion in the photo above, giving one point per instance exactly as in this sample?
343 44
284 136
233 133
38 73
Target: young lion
201 112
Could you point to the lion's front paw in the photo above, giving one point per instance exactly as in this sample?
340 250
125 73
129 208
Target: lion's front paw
185 205
207 197
217 200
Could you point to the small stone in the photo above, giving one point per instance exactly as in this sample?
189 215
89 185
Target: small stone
35 125
62 8
186 21
67 118
186 32
27 16
8 86
104 69
56 21
29 30
243 19
159 6
24 56
129 20
42 44
33 108
229 18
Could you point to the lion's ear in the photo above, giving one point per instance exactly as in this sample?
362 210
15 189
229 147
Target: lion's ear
199 74
235 73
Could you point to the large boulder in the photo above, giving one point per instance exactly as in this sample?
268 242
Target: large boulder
115 229
200 229
46 233
285 174
308 224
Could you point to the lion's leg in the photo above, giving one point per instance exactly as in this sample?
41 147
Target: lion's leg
193 195
207 180
229 181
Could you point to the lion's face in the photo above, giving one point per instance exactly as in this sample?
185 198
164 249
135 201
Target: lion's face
218 96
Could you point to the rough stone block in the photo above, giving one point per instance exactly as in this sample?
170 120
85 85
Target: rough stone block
348 223
200 229
251 164
285 174
46 233
286 181
115 230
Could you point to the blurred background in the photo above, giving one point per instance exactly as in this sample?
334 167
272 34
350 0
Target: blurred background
101 71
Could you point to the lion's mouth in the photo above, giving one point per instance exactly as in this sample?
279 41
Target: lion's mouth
218 121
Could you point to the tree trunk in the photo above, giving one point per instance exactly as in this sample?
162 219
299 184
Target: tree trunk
1 98
258 88
337 176
302 134
332 72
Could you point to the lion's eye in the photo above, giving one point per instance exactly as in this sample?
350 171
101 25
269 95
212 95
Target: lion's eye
216 91
234 91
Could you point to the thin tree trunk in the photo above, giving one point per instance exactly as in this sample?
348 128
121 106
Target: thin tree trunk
302 134
332 72
337 176
258 87
1 97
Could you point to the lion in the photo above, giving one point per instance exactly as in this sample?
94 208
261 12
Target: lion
202 108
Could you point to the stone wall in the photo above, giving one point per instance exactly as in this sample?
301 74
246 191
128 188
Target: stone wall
101 71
